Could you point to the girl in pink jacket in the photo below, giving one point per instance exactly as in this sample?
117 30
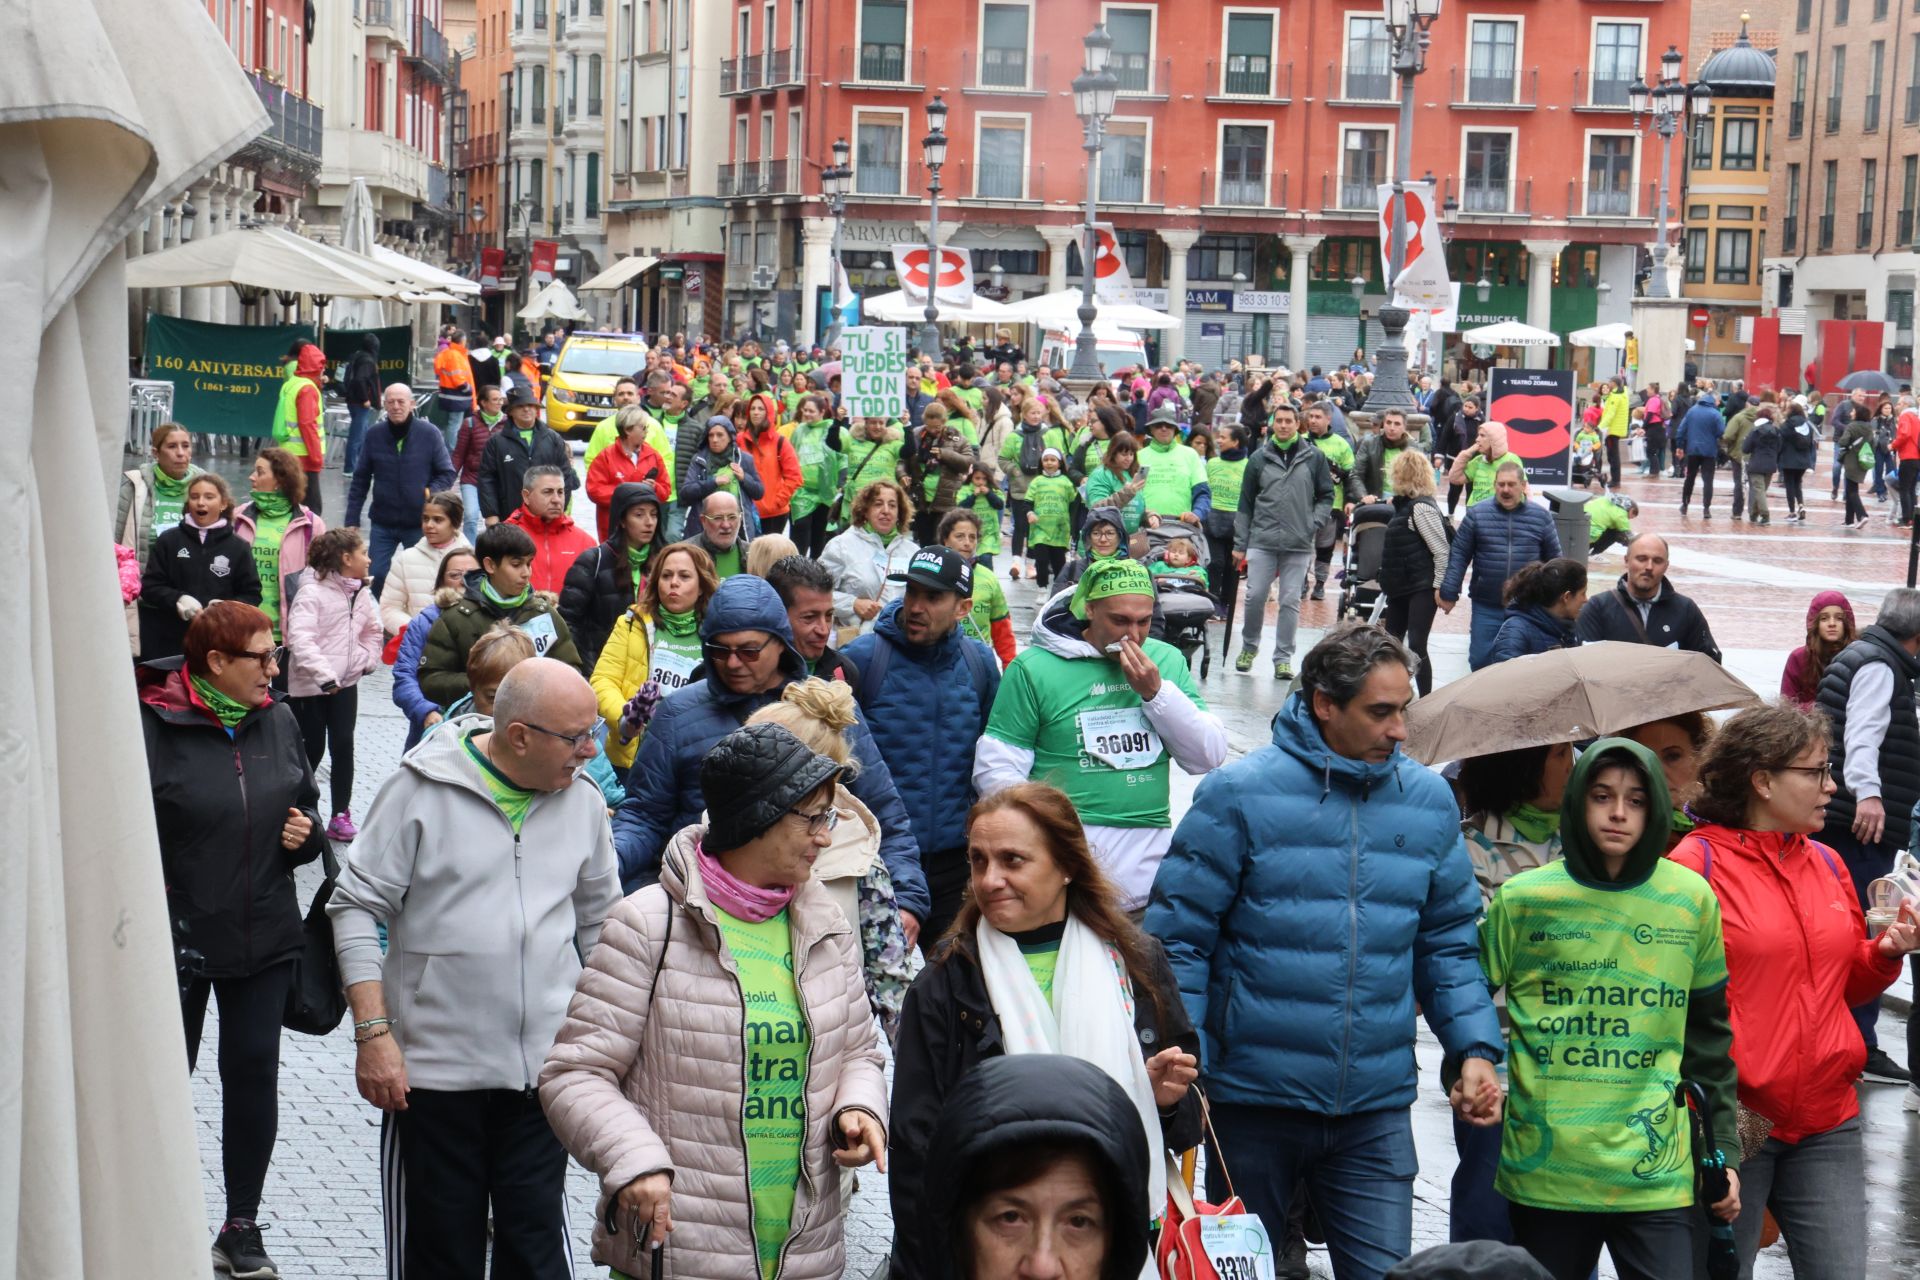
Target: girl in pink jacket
333 638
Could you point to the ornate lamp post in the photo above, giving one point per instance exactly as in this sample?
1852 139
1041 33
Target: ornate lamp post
1094 92
1408 23
1673 106
835 181
933 149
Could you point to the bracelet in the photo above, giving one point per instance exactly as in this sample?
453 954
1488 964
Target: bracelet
373 1022
375 1034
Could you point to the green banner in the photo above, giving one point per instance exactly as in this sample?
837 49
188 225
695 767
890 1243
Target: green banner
396 348
226 377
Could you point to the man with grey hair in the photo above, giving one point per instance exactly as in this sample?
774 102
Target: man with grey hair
1498 538
1643 607
403 460
487 858
1867 695
1310 1029
722 535
557 540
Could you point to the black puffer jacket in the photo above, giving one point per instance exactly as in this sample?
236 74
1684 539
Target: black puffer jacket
1799 442
181 563
1899 760
219 804
505 461
599 586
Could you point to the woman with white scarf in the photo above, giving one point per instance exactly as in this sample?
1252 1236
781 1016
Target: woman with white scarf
1041 960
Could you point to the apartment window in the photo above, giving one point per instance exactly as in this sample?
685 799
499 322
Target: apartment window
1220 258
1616 61
1491 59
877 153
766 245
1733 256
1014 262
1913 84
1249 64
1243 164
1489 175
1836 84
1363 166
537 188
1739 143
1841 12
1909 179
795 136
1876 57
1696 255
1003 46
743 38
1797 112
1790 225
1132 56
1703 144
539 15
1001 171
1869 173
1879 10
593 185
798 43
539 95
1369 60
1123 163
680 142
1610 176
1802 15
1831 172
883 40
593 85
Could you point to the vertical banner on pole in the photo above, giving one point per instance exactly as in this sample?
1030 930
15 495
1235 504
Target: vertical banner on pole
1423 278
1537 406
873 368
955 285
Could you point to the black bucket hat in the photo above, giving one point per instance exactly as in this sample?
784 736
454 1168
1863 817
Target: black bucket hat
752 778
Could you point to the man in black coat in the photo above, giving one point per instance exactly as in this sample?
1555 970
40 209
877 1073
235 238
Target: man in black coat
1643 607
361 389
524 443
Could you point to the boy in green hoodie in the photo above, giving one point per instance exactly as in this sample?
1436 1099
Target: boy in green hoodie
1616 988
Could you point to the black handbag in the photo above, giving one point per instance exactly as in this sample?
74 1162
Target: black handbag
317 1001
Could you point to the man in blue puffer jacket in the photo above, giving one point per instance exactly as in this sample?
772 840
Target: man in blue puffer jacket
1316 891
1698 436
927 690
663 787
1498 538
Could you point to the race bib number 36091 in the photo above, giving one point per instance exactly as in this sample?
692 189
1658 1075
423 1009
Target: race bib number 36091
1119 737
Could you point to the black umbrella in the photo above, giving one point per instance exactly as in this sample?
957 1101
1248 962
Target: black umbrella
1870 380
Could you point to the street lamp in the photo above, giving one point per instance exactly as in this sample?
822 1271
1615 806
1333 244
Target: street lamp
1408 25
1094 92
835 182
933 149
1483 289
1673 106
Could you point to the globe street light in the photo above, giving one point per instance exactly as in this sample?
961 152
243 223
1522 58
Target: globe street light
1094 92
1408 23
1672 106
835 181
933 149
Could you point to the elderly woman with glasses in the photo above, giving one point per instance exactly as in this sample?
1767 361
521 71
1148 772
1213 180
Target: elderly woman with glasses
237 810
719 1063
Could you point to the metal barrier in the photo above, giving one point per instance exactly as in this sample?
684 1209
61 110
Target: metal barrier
149 403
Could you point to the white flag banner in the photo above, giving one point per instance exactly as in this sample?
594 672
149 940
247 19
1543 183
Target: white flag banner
1112 282
955 285
1423 278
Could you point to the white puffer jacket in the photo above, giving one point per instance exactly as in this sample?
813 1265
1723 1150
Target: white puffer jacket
411 578
647 1075
860 564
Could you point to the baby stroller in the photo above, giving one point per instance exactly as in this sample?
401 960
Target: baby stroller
1360 594
1183 597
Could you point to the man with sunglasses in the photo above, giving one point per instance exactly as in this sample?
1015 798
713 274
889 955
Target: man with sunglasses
750 657
487 858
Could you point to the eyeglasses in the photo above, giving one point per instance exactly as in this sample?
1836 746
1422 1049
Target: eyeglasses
274 657
722 521
594 733
743 652
1822 771
818 824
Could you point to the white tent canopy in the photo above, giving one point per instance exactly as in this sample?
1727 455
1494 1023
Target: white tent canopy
444 281
554 302
620 274
264 258
898 308
1611 337
1511 333
1062 311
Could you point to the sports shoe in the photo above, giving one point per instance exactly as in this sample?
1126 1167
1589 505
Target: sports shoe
238 1252
1881 1069
342 828
1319 590
1292 1262
1283 671
1244 663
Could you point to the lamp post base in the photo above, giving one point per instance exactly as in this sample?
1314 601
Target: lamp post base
1390 390
928 340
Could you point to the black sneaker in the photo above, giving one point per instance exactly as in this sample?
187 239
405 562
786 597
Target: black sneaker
1319 591
1881 1069
1292 1262
238 1252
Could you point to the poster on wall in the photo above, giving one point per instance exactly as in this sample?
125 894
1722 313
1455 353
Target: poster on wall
873 367
226 377
1537 406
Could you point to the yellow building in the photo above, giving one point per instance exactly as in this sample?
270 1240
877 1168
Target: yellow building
1725 205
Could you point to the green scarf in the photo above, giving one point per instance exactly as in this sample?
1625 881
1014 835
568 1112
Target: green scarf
677 624
637 561
1682 821
486 589
167 487
886 539
1535 826
230 711
274 505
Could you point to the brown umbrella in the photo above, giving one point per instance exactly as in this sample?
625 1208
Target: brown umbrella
1565 696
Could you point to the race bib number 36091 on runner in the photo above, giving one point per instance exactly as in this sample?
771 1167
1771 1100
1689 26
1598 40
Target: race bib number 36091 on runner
1119 737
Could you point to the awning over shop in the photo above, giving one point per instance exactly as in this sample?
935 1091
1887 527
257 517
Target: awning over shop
1511 333
448 281
619 274
554 302
897 308
271 258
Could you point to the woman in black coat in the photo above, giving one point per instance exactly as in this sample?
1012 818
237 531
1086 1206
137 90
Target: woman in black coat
1034 886
236 809
198 561
1799 449
603 583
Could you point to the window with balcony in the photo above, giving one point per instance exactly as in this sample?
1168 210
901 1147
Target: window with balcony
1913 84
1123 163
1876 58
1248 70
1836 86
1369 60
1363 166
883 40
1797 110
539 95
877 153
1220 258
1696 255
1790 224
1243 164
1869 172
1492 56
1132 56
539 15
537 188
1702 157
1003 45
593 184
1831 172
1610 176
1000 170
1489 178
1739 144
1733 256
1616 61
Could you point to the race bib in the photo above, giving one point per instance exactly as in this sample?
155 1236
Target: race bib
540 630
1119 737
1238 1247
672 670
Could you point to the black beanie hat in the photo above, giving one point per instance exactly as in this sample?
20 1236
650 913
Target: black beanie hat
754 776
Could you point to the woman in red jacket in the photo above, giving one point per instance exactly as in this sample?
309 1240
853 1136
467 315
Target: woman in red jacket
1798 957
756 425
628 460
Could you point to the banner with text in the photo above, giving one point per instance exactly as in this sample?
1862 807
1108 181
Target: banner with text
396 341
226 377
956 274
1423 278
1537 406
873 367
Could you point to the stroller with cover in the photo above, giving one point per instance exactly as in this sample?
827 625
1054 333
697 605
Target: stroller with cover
1182 590
1361 596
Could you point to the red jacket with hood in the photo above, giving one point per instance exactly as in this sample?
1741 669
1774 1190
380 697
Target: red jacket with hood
310 364
774 458
557 543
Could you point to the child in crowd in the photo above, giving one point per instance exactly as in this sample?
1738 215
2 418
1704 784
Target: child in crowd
500 590
990 622
1181 560
333 639
192 564
983 497
421 711
1051 495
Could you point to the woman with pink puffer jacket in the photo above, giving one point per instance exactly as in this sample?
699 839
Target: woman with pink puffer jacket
333 638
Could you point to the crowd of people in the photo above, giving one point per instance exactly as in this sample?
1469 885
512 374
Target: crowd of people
724 797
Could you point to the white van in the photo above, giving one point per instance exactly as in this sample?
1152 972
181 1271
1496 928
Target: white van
1117 348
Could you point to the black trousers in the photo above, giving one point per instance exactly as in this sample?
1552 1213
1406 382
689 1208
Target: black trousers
1453 496
250 1011
327 719
1654 1245
1703 468
1908 476
451 1158
773 524
1047 562
947 873
1410 618
1220 572
809 532
312 501
1613 461
1791 478
1856 509
1020 508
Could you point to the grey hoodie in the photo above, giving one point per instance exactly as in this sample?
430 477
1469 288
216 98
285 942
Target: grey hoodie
486 929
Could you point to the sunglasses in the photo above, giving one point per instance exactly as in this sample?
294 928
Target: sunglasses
274 657
742 652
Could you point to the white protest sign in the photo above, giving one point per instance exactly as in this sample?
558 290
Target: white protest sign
873 366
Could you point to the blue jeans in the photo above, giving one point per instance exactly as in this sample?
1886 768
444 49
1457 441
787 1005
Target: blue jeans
1486 625
357 420
471 521
1882 464
1359 1169
1865 863
382 542
1813 1187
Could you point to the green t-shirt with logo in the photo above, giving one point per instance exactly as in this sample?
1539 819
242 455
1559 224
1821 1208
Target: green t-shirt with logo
1224 479
1481 473
989 520
1052 498
268 533
1339 456
1042 958
1171 474
989 605
512 801
1088 734
774 1111
1598 983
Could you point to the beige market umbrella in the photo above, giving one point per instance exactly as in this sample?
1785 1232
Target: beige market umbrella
1567 695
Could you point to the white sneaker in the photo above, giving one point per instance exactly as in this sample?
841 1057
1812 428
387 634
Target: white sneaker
1911 1101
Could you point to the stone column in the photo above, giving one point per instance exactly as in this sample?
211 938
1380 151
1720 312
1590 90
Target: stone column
816 270
1058 238
1540 293
1173 345
1301 247
196 304
167 301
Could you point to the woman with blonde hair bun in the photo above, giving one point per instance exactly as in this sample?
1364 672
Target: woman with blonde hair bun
819 713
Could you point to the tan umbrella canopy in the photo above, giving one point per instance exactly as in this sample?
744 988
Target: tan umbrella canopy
1567 695
276 259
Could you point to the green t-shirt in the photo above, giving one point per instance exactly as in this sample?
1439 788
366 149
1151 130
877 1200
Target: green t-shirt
774 1111
1103 483
1161 569
1604 514
727 563
989 520
1387 458
509 799
1171 474
268 533
1598 983
989 605
1224 480
819 469
1339 455
1480 474
675 652
870 460
1042 959
974 397
1052 498
1089 737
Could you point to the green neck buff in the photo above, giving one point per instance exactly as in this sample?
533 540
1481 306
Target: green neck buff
505 602
166 486
230 711
1283 445
1535 826
677 624
274 505
637 562
886 539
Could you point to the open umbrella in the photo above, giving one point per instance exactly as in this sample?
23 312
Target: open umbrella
1870 380
828 369
1511 333
1567 695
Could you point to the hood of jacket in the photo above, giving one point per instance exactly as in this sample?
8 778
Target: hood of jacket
1108 516
772 407
625 498
1584 862
1826 599
1297 733
370 343
733 440
1056 630
746 603
311 363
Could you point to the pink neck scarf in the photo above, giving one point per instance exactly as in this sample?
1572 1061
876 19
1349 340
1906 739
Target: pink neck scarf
735 896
